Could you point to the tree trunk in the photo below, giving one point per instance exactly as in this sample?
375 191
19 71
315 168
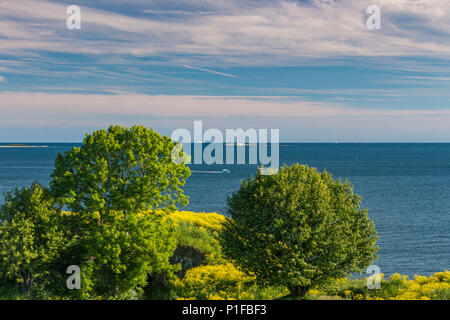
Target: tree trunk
298 291
27 283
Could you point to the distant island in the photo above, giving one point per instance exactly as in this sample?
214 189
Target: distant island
20 145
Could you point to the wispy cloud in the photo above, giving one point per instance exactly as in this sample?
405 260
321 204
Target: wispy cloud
277 31
429 78
211 71
176 12
399 83
300 120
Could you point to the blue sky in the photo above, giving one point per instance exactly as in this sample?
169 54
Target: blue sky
309 68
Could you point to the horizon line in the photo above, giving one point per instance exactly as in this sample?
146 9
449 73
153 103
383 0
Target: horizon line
281 142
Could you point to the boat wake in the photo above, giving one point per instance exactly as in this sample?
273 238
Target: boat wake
209 171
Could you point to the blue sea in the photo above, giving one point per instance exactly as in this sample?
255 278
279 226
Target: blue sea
405 186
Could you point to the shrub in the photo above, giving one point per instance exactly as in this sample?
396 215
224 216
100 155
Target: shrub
435 287
31 238
397 287
222 282
199 231
218 282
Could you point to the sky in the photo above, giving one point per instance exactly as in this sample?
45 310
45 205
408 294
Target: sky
312 69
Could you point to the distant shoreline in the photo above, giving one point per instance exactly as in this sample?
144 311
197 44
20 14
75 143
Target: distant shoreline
20 146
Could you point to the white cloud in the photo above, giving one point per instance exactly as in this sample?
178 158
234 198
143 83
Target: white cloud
279 31
2 79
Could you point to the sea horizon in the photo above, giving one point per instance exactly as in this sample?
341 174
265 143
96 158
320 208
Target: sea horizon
281 142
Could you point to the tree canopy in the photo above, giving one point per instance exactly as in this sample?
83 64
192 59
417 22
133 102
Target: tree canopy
120 169
118 185
298 228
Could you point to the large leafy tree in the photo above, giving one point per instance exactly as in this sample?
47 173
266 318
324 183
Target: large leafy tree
31 237
120 169
298 228
118 185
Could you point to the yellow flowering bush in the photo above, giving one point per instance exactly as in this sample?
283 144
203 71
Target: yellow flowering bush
397 277
214 282
397 287
435 287
222 282
316 292
199 230
210 222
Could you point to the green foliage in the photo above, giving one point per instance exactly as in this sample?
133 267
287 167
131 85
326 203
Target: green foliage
120 169
298 228
9 292
31 237
114 176
119 257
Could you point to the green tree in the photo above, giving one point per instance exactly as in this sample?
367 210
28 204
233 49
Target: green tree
31 237
118 185
298 228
